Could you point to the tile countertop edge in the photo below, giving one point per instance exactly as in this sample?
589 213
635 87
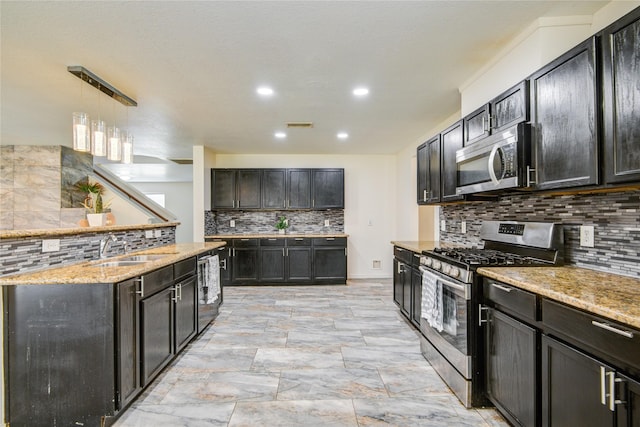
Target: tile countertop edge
89 273
274 235
608 295
44 232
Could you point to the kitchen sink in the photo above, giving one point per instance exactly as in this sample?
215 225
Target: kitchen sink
119 263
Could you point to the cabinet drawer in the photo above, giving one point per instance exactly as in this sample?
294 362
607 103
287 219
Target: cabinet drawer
298 241
184 268
244 243
330 241
404 255
520 302
415 259
157 280
600 336
273 241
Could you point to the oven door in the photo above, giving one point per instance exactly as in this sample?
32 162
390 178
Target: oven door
453 341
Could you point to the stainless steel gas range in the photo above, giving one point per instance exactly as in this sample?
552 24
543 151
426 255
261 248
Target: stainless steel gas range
452 293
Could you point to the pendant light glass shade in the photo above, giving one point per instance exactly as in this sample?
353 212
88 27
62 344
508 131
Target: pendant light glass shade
127 148
81 132
114 145
98 138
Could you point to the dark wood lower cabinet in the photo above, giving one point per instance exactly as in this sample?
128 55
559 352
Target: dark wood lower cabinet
416 296
299 264
511 368
628 410
186 321
128 348
330 264
398 282
245 266
272 264
157 333
572 387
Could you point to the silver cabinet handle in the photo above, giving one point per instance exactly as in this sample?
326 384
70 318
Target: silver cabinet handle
416 255
299 238
603 385
141 291
330 238
283 252
606 326
424 196
223 264
501 287
175 294
400 268
480 311
272 240
529 180
612 391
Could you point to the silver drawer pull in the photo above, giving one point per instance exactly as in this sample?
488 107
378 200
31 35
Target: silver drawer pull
501 287
416 255
272 240
299 239
330 238
610 328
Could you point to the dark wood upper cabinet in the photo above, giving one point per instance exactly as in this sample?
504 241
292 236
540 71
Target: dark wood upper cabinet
299 188
223 188
327 188
564 119
248 189
476 125
510 107
429 171
452 141
621 99
274 189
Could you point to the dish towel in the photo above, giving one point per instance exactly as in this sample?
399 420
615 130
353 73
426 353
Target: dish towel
432 310
212 279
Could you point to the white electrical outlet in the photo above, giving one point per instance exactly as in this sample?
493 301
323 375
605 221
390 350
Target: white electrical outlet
148 234
51 245
232 223
377 264
587 238
157 233
463 227
326 222
443 225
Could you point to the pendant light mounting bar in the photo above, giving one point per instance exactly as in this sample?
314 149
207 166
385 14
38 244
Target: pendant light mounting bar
95 81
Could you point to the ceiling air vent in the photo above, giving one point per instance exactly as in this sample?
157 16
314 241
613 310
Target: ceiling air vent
182 161
299 125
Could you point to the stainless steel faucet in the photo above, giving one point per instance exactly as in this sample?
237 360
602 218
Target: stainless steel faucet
104 244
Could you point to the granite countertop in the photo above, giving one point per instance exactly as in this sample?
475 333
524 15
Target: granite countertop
604 294
88 272
272 235
51 232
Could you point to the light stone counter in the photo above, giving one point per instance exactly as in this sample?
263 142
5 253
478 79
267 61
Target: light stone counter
423 245
90 272
52 232
604 294
273 235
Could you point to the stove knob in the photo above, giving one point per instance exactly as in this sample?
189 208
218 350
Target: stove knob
445 268
437 264
427 261
454 272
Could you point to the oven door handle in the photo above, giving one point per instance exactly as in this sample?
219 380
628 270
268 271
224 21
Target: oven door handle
447 283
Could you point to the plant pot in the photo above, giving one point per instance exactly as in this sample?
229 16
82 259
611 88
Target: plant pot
281 231
97 220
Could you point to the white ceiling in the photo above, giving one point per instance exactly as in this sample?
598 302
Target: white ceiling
193 67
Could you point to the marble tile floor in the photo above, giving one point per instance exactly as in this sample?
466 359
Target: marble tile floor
304 356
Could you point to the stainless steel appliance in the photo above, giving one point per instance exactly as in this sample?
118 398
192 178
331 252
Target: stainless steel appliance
209 287
500 161
453 343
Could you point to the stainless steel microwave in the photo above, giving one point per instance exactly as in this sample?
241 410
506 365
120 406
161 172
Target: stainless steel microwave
500 161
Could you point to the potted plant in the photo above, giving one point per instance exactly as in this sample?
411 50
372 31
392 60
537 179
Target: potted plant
282 224
93 202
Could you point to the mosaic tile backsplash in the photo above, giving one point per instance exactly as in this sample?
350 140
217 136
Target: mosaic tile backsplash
25 254
256 222
616 217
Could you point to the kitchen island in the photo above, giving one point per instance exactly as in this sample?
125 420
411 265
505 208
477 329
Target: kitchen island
82 341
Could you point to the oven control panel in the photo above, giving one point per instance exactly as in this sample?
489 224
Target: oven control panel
513 229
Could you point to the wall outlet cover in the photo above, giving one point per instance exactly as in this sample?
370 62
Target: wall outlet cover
51 245
326 222
148 234
443 225
377 264
463 227
157 233
587 238
232 223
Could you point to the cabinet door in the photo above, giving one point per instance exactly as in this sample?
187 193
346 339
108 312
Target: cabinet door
452 139
274 188
272 264
128 346
223 188
186 315
299 188
564 120
628 411
157 333
422 153
245 265
511 368
510 107
435 166
407 292
299 264
621 93
248 189
327 188
330 264
416 296
476 125
571 388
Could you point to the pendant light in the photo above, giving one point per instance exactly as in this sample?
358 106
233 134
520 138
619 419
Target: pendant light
98 138
114 147
81 132
127 148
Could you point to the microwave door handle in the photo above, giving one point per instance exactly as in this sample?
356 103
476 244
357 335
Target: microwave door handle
492 173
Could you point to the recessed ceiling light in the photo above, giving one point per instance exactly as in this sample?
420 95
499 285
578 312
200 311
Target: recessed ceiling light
264 91
361 91
343 135
280 135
